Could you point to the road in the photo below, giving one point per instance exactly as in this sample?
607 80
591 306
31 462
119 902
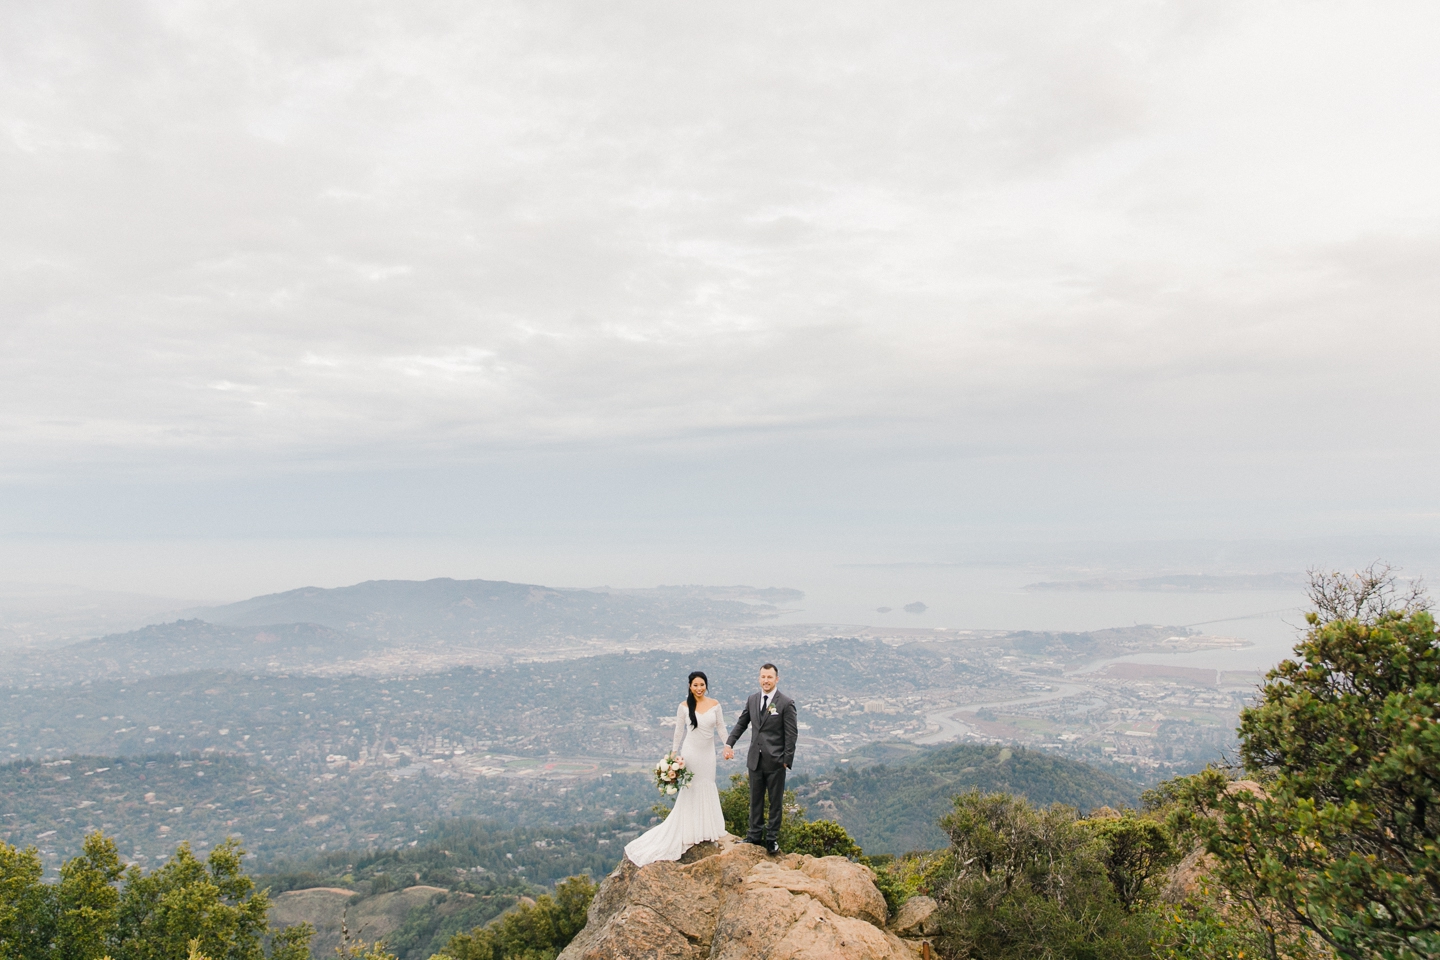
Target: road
952 728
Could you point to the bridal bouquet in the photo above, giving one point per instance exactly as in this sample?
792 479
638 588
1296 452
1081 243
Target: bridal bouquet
670 773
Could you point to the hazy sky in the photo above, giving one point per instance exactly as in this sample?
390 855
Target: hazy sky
672 280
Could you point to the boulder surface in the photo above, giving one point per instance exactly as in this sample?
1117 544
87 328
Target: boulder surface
728 900
919 917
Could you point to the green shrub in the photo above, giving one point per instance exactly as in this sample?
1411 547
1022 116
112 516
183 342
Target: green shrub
735 805
819 838
890 886
537 931
1134 851
1023 883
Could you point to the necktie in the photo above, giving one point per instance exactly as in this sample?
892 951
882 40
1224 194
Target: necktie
765 703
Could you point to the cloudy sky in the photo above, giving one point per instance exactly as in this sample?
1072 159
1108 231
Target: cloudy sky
332 290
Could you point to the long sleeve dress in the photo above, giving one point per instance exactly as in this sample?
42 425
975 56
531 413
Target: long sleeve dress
696 815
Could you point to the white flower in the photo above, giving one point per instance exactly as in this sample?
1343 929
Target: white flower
669 789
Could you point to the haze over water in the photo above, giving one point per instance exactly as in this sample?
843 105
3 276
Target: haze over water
637 294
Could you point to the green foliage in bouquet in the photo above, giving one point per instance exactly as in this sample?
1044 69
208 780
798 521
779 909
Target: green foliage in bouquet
671 774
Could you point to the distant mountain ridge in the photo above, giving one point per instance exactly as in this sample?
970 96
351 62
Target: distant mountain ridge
318 628
477 609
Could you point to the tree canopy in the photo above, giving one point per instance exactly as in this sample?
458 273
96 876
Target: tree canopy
1341 828
98 909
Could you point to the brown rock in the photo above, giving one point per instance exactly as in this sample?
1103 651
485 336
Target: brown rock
753 920
792 881
633 933
817 936
730 901
918 917
854 886
678 896
1183 879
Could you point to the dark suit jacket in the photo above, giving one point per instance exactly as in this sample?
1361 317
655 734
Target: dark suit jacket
775 733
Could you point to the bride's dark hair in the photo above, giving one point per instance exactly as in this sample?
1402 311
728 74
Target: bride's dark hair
690 695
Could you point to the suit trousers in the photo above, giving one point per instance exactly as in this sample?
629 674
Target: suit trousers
766 781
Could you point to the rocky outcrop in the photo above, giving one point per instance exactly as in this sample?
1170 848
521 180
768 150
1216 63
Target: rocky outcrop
918 917
731 901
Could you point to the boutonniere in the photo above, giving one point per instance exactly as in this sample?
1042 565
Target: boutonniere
773 711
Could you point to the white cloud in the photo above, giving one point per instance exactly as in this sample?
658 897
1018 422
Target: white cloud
386 234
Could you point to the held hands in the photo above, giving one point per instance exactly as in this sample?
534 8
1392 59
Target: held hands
729 753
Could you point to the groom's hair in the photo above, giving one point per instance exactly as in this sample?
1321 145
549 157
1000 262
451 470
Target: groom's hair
770 666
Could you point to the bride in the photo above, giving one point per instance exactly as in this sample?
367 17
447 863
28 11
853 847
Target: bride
696 815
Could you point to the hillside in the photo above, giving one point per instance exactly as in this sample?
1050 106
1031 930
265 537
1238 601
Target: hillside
147 803
893 807
413 923
151 803
185 645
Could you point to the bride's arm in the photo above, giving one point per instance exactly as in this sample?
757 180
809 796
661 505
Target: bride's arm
681 716
719 725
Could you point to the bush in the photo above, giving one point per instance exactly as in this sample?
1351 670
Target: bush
1134 850
819 838
1023 883
900 878
890 886
537 931
735 805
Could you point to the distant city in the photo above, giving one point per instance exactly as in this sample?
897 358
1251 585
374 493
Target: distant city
378 709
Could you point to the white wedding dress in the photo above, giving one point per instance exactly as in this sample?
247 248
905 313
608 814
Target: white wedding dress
696 815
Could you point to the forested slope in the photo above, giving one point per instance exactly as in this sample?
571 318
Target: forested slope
894 807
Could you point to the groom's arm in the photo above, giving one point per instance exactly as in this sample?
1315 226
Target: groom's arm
741 722
792 734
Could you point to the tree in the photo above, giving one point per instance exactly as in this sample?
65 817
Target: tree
87 900
98 910
1028 883
1133 850
214 902
735 805
292 943
531 931
27 914
359 950
1342 831
1367 596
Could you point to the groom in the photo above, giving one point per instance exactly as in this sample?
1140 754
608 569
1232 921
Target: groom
772 751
